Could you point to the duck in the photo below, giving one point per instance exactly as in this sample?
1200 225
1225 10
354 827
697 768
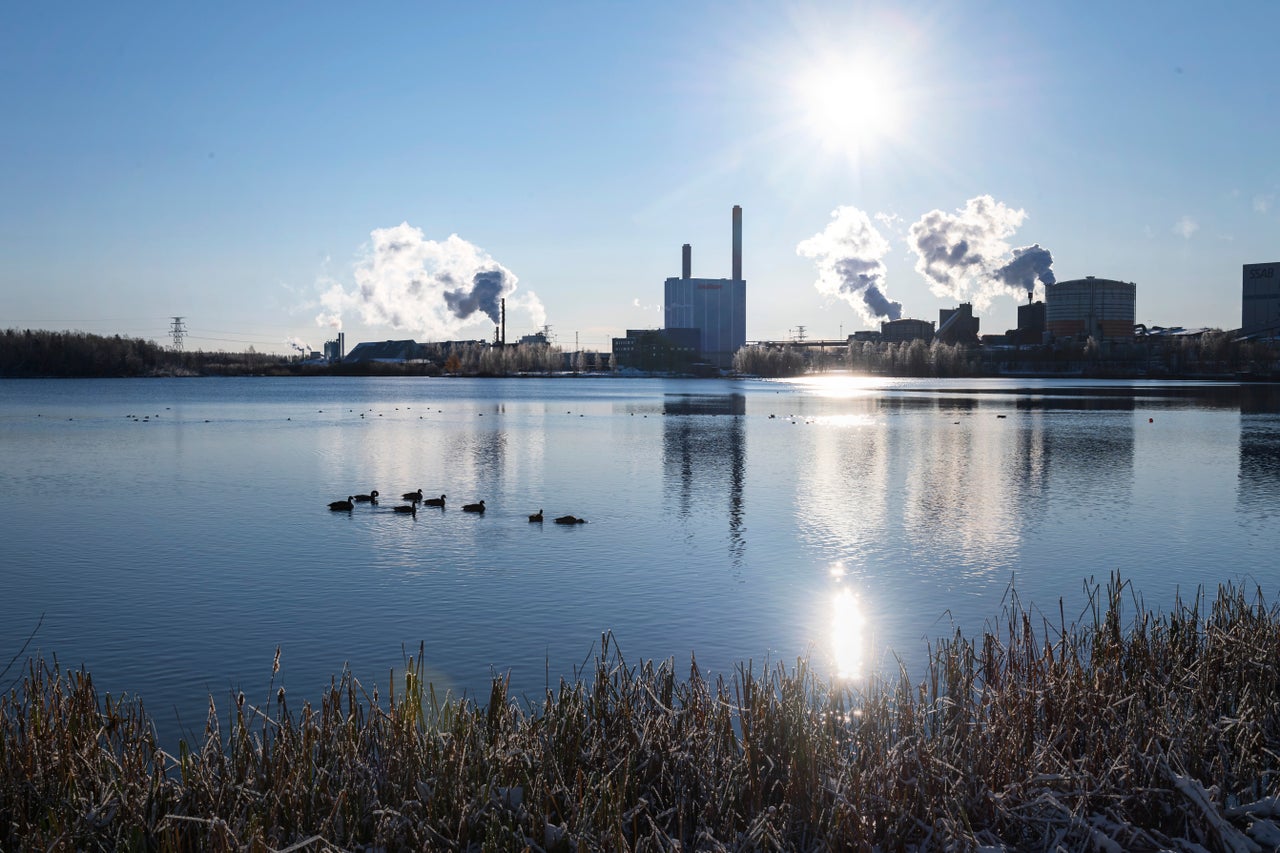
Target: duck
570 519
411 509
537 516
476 507
371 498
342 506
413 496
434 501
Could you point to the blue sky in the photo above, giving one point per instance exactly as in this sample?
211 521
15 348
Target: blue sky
268 171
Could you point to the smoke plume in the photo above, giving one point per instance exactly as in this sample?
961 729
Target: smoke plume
299 344
1029 265
963 254
431 288
849 254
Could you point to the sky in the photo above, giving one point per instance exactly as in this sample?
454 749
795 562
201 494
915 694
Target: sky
275 172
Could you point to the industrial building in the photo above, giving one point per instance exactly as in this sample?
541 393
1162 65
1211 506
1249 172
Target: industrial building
906 330
334 350
1089 307
1260 301
717 307
655 350
958 325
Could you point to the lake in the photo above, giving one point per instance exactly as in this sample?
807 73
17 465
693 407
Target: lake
174 532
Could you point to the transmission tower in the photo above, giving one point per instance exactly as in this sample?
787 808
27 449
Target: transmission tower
800 334
178 332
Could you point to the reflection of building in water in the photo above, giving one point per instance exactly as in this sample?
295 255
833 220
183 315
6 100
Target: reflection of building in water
705 449
1258 483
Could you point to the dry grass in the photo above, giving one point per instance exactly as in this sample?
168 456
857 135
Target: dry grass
1155 732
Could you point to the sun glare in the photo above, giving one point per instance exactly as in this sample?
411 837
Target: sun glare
847 634
849 107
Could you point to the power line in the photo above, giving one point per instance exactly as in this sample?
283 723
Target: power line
177 331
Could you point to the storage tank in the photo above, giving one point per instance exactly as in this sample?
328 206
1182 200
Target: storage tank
1099 308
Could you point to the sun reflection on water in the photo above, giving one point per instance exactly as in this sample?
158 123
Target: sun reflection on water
847 631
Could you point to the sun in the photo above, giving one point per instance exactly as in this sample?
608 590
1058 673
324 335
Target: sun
849 106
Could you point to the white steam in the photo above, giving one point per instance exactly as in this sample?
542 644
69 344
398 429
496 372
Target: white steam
849 254
965 255
434 289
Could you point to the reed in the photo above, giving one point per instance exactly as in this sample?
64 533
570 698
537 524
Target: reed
1151 731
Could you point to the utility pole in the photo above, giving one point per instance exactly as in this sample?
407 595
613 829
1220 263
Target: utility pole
178 332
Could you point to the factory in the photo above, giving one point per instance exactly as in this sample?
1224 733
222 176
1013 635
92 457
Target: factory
705 320
1089 307
716 307
1260 301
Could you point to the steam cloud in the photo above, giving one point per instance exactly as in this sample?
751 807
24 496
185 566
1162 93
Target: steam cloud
432 288
299 344
962 254
849 254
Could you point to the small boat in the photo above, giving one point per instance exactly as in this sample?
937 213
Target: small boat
342 506
537 516
434 501
570 519
476 507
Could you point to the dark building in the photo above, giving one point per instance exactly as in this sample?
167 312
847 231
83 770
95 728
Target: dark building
1098 308
716 307
1260 301
386 351
958 325
906 330
657 350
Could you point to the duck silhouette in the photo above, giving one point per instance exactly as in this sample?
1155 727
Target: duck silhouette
371 498
434 501
342 506
411 509
570 519
476 507
537 516
413 496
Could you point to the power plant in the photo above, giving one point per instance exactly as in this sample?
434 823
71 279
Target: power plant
714 308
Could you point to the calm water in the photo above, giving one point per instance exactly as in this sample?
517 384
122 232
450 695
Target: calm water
175 532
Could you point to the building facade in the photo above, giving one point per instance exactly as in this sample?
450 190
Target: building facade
717 307
1089 307
657 350
1260 300
958 325
906 330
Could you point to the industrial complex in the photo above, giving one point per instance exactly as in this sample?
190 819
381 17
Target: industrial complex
705 324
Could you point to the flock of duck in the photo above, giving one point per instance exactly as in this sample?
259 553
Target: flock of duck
416 498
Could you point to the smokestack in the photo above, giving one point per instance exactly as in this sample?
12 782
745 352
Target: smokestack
503 305
737 242
686 264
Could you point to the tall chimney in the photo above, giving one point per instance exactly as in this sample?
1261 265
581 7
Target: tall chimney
737 242
686 264
504 321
